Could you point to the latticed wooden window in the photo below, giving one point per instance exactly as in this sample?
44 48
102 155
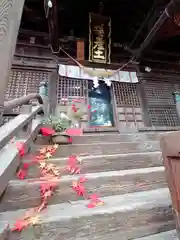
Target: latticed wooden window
126 94
69 89
158 93
22 82
160 103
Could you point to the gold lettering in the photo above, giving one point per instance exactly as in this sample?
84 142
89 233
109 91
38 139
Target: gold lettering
99 43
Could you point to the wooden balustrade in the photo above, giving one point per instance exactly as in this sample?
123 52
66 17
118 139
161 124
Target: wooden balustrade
24 128
170 145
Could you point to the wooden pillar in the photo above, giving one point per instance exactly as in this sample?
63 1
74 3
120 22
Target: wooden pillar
52 92
171 158
142 97
10 18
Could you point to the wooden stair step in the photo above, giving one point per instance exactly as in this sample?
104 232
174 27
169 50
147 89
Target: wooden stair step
101 163
26 194
130 216
169 235
104 148
114 137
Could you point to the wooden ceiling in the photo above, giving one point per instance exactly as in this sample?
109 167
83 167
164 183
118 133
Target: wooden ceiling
131 21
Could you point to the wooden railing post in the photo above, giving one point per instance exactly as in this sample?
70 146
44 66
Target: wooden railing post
26 109
10 18
170 145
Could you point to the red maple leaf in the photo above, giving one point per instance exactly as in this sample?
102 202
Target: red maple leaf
26 165
77 170
22 174
20 147
94 197
72 160
80 190
38 158
91 205
95 201
70 140
82 179
89 106
20 225
47 131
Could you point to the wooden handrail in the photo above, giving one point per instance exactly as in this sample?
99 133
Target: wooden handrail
9 105
13 127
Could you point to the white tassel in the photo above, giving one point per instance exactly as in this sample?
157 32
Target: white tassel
49 4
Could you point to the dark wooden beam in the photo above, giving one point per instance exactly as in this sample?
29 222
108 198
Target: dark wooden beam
149 15
53 27
170 11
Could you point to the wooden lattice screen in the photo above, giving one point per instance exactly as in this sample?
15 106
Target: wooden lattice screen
126 94
69 89
22 82
128 106
160 102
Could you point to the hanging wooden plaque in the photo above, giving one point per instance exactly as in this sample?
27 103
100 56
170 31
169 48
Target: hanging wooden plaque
99 38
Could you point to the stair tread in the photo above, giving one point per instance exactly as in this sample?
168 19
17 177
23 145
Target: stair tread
97 175
169 235
18 193
113 204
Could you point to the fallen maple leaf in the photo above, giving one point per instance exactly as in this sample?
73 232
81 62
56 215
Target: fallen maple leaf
82 179
20 225
70 140
34 220
94 197
22 174
26 165
20 147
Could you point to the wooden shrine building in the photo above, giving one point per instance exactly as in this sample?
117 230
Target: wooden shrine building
130 49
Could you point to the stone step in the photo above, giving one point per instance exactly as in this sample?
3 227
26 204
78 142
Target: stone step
101 163
129 216
115 137
104 148
26 194
100 130
169 235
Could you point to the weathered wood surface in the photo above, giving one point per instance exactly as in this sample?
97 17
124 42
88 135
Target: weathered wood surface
96 164
171 157
9 153
115 137
12 128
10 17
4 231
129 216
169 235
108 148
9 105
19 193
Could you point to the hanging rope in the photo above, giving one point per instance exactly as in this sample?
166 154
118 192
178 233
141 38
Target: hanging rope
97 72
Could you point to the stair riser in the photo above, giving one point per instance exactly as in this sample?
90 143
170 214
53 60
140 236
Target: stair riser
28 195
168 235
102 149
128 225
106 163
115 138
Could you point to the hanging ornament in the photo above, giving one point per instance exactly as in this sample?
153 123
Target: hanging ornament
95 82
49 4
108 82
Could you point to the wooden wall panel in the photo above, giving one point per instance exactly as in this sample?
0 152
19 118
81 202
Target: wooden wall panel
23 82
128 106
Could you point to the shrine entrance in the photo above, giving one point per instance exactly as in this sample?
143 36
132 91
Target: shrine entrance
101 111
